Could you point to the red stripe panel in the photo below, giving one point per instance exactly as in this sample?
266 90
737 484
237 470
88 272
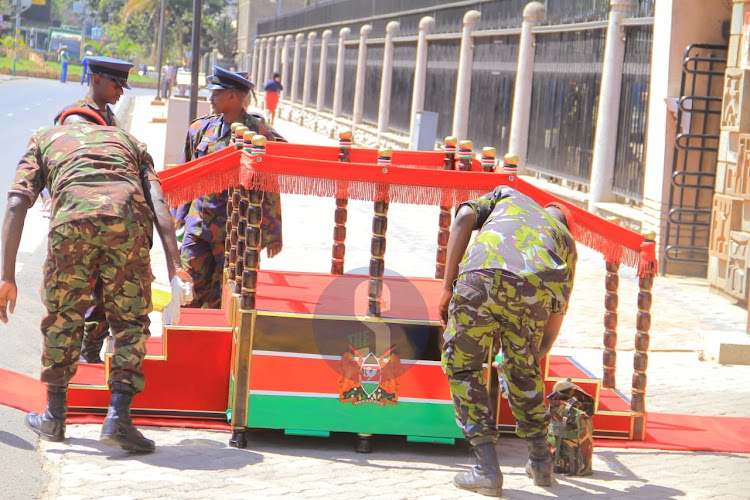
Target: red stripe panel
413 298
292 374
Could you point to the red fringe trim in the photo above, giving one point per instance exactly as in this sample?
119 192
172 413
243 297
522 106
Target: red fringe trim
415 177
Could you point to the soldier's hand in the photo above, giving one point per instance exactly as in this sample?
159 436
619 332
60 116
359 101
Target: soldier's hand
445 300
8 295
273 251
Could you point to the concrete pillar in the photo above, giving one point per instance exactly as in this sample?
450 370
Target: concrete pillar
277 56
321 98
253 69
269 61
308 68
359 85
605 140
298 41
338 87
463 82
285 66
420 73
384 107
518 143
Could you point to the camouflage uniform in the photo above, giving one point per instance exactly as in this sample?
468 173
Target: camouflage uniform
100 218
519 269
96 327
205 218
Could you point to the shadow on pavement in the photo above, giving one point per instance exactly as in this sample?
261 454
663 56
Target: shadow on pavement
15 441
189 454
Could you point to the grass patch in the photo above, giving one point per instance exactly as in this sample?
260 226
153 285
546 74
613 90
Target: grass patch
74 70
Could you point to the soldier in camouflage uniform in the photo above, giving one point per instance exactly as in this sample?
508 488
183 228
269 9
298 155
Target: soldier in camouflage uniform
108 78
205 218
512 285
106 197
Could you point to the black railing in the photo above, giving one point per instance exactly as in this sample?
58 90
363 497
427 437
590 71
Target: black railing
631 130
448 14
565 90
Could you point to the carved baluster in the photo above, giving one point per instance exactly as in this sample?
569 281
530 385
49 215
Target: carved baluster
253 232
609 358
340 215
464 155
510 166
444 219
488 159
238 130
642 339
377 246
241 243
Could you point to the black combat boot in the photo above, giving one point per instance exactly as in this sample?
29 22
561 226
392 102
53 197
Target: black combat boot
118 428
50 425
539 465
90 350
485 477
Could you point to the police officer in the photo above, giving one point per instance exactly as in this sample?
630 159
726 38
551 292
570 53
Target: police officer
106 198
107 79
512 284
205 218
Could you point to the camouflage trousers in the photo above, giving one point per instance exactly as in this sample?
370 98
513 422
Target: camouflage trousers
486 308
96 327
204 260
120 249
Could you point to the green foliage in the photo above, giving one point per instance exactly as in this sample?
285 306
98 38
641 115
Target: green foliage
131 27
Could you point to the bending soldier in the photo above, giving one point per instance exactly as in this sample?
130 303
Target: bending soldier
106 198
512 285
107 78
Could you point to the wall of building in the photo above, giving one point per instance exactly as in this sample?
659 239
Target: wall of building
730 217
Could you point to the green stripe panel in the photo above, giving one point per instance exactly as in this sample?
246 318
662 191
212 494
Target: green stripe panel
328 414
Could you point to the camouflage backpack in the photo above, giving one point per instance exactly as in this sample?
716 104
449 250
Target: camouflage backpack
571 431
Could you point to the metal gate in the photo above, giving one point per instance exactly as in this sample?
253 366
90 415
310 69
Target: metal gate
694 164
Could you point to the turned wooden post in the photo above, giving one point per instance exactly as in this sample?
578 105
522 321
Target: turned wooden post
340 215
444 219
609 357
238 129
377 246
241 230
251 257
488 159
464 155
642 339
510 165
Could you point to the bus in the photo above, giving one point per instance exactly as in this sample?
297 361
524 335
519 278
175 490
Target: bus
68 38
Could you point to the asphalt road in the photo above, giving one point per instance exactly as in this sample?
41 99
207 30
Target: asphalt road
27 104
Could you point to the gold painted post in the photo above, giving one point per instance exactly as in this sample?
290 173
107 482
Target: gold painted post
377 246
464 155
340 215
642 339
444 219
488 159
243 323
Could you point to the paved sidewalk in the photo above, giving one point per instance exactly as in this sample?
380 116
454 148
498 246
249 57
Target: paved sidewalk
199 464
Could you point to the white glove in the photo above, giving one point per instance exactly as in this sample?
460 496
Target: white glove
182 293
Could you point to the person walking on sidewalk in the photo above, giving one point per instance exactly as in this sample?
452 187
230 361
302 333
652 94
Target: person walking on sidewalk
64 60
272 88
106 198
511 285
110 77
205 218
